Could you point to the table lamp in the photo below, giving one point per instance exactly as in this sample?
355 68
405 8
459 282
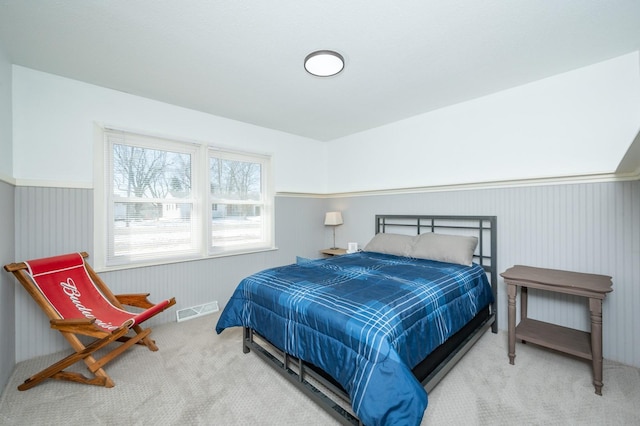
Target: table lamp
333 219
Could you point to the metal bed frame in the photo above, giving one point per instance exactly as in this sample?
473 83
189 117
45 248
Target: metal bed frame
317 385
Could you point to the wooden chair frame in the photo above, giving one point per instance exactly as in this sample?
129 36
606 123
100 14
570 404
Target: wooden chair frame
71 328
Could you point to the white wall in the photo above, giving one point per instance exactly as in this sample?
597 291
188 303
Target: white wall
6 147
54 122
577 123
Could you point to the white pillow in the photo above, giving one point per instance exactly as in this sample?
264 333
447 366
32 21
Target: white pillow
397 244
445 248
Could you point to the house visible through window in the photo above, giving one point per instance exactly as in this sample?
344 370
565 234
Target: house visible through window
237 200
171 200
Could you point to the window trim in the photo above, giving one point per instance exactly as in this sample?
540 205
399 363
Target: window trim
201 198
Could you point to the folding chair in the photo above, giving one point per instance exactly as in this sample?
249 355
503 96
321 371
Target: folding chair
78 302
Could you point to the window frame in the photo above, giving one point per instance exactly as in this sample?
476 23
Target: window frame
104 199
266 201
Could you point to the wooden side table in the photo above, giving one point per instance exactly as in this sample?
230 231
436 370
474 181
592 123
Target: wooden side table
587 345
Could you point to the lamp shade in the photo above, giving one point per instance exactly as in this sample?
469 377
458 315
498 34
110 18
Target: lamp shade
333 218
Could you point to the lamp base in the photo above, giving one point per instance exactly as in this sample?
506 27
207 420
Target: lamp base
334 239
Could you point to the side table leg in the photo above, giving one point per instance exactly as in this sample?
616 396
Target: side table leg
595 306
524 302
511 313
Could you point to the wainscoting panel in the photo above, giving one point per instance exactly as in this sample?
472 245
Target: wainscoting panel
7 287
52 221
590 227
48 221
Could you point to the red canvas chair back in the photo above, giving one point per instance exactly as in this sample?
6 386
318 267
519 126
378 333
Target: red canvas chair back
66 284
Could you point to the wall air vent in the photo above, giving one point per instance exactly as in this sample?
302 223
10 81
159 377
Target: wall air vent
197 311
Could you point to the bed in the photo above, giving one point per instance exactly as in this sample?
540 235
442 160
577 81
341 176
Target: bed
366 335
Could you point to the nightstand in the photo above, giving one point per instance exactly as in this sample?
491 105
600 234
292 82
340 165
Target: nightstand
333 252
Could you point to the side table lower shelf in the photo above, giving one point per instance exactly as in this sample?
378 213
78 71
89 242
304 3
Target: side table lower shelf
557 337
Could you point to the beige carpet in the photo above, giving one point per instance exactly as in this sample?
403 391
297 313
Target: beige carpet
200 378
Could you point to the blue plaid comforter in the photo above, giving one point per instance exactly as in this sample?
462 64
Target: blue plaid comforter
366 319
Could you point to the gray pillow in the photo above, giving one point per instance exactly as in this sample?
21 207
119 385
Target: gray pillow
397 244
445 248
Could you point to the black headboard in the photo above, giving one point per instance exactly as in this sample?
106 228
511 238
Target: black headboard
482 227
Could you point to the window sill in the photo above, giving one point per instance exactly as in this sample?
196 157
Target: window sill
184 260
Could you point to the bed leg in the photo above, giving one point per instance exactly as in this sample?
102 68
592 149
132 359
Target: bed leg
301 370
494 326
246 338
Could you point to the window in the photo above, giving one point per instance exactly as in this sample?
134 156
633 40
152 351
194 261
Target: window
167 200
237 200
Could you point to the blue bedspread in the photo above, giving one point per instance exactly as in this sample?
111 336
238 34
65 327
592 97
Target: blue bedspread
366 319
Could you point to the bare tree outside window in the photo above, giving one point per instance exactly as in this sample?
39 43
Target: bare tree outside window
235 180
148 173
168 199
162 178
236 196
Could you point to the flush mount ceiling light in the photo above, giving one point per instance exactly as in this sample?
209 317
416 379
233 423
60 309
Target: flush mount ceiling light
324 63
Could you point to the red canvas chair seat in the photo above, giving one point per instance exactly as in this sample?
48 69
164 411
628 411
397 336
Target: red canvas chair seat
77 301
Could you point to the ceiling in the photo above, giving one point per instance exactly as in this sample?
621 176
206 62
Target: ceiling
244 59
